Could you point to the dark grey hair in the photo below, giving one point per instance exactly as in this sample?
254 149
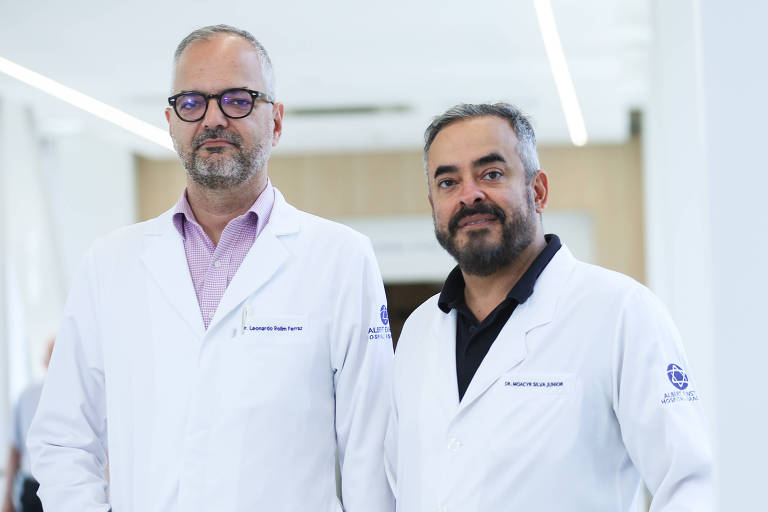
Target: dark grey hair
209 32
526 147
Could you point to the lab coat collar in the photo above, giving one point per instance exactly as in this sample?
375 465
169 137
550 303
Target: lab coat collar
263 260
441 368
166 262
509 349
164 257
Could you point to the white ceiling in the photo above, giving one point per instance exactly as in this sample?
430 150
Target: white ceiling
423 55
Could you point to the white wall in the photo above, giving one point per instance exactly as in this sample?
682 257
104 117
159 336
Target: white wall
32 287
736 81
57 194
92 188
706 219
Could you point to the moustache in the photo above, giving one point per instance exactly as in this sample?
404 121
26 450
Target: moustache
481 208
217 133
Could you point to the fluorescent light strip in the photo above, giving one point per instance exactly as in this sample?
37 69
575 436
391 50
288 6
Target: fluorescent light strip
559 66
92 106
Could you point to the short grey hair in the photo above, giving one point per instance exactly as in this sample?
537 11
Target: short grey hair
211 31
526 147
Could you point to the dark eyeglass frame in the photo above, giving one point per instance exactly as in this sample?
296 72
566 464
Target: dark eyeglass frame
256 95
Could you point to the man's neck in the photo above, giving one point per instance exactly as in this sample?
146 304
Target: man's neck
483 293
214 209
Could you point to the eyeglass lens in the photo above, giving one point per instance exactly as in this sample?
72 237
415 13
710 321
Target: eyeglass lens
234 103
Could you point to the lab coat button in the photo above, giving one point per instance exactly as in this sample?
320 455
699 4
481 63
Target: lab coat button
442 508
454 445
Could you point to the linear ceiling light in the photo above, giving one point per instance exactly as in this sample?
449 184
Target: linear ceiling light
563 81
90 105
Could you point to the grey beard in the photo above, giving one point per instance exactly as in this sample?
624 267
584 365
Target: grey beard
222 173
484 259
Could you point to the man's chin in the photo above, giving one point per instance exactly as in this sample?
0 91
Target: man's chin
215 182
476 238
216 176
214 152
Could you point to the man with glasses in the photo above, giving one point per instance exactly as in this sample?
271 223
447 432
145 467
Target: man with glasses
220 353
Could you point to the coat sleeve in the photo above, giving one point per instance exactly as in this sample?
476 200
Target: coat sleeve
656 400
362 361
67 438
391 444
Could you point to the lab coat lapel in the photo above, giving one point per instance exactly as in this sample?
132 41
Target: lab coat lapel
441 367
510 348
263 260
166 261
506 352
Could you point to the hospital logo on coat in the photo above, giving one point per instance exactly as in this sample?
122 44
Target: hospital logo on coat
384 315
383 331
677 376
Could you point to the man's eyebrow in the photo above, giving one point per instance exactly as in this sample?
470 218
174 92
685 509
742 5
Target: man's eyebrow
445 169
488 159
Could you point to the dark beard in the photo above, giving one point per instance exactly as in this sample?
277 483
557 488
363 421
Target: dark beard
222 173
481 258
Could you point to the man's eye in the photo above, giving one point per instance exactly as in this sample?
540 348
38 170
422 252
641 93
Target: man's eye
446 183
236 102
189 104
492 175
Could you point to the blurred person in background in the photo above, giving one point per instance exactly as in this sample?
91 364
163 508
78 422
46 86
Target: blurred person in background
20 487
221 352
534 381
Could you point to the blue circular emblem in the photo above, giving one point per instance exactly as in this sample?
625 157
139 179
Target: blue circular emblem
384 315
677 376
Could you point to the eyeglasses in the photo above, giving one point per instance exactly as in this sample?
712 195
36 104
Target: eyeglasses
191 106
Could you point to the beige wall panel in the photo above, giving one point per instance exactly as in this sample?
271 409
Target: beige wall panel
158 186
605 181
336 185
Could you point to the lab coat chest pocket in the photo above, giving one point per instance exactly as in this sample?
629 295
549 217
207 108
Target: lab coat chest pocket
266 329
521 386
271 359
535 407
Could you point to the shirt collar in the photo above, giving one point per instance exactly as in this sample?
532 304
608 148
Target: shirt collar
452 294
258 214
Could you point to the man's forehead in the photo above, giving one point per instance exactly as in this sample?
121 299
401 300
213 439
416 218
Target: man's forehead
469 139
221 44
227 59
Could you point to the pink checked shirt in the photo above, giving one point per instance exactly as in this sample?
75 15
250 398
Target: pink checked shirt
212 267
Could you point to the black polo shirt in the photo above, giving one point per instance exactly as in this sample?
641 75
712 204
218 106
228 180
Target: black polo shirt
473 338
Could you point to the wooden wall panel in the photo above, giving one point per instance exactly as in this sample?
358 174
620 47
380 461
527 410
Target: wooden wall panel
602 180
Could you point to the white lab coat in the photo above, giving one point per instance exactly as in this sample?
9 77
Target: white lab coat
244 416
569 410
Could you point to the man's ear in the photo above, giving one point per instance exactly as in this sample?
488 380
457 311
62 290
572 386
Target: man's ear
168 118
278 113
540 186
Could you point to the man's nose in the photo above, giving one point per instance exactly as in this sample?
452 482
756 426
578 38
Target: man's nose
471 193
214 116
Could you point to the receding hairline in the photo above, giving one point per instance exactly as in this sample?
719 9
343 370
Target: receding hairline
455 122
519 122
182 55
210 39
479 117
213 32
